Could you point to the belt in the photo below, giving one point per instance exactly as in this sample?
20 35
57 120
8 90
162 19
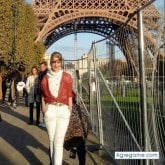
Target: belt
57 104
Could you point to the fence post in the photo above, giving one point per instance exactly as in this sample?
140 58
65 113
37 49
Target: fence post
143 104
98 97
89 64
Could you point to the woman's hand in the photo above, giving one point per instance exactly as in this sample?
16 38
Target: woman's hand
43 110
70 108
43 106
70 104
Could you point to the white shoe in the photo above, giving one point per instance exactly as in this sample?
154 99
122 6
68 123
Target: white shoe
8 103
14 105
42 125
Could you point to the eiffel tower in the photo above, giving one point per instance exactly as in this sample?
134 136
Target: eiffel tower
59 18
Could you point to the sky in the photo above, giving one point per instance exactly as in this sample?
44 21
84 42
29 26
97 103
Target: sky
66 45
29 1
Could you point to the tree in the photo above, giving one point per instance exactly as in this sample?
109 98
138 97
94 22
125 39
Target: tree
5 30
21 27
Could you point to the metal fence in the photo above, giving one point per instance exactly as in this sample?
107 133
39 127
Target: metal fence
124 88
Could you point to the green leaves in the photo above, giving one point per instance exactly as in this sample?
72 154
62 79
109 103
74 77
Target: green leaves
17 32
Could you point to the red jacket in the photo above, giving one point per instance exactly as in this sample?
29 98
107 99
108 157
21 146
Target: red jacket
65 90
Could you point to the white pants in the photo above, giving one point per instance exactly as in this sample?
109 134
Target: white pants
56 120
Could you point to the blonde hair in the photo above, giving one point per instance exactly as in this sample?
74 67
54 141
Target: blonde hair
57 55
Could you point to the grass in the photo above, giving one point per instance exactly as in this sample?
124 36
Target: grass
126 99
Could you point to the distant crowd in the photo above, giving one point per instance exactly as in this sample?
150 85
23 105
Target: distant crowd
8 82
31 91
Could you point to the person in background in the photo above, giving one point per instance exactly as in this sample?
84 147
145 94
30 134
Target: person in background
31 84
41 74
56 106
77 132
15 76
0 118
25 94
1 87
4 87
0 93
7 91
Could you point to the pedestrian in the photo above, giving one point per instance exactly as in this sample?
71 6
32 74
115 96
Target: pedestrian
16 77
77 132
56 105
1 93
41 74
4 87
0 118
1 88
7 96
25 94
31 85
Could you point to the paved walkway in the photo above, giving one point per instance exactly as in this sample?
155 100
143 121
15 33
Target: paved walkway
23 144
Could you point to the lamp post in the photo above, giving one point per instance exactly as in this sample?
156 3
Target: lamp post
15 14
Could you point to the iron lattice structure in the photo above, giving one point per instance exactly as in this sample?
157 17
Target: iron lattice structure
59 18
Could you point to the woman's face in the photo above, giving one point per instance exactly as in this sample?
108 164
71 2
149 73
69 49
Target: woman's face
56 64
34 71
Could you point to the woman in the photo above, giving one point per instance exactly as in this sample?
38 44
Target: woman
56 106
0 87
77 133
31 84
0 92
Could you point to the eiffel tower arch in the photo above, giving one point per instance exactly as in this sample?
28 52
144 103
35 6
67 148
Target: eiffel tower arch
59 18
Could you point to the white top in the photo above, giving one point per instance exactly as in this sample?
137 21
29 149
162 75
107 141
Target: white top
54 82
31 84
31 80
